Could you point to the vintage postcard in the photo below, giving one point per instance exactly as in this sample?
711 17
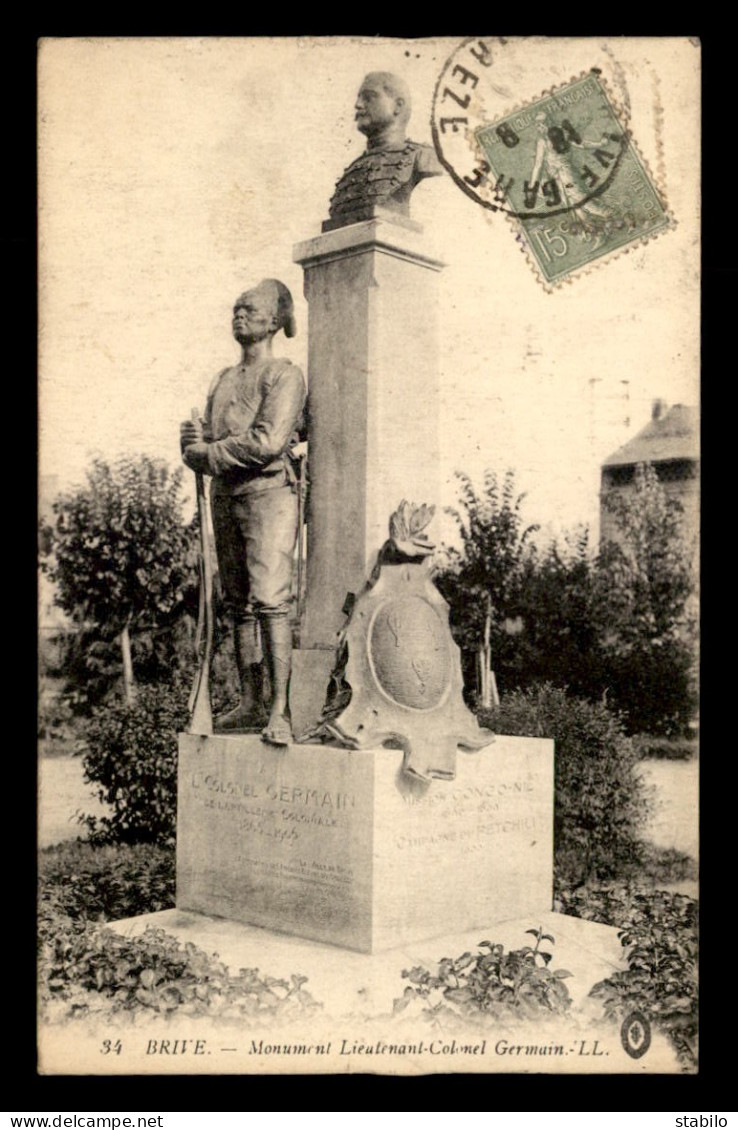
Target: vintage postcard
416 322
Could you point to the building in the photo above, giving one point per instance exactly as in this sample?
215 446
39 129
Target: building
670 443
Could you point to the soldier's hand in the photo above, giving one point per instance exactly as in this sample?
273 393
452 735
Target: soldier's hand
191 431
195 456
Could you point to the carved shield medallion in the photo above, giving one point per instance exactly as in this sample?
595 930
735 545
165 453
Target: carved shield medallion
409 652
404 673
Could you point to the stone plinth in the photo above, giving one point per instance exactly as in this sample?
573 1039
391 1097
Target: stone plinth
371 289
339 846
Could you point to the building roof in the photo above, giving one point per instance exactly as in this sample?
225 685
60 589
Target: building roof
674 435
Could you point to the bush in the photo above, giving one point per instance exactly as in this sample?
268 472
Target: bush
666 749
648 596
600 799
559 636
667 866
92 671
659 931
489 985
80 883
100 972
85 970
654 687
132 757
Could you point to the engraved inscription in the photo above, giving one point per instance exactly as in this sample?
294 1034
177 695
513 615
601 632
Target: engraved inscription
311 872
288 794
469 816
468 838
266 816
490 791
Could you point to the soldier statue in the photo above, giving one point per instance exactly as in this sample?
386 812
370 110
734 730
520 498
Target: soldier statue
253 419
391 166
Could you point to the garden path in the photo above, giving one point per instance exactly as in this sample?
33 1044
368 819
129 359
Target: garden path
675 820
62 793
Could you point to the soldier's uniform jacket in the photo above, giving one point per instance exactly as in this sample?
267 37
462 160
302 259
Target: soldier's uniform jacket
379 176
254 415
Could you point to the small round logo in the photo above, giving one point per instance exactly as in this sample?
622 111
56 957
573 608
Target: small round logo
635 1035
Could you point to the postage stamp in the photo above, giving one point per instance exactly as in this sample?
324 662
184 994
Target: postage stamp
564 168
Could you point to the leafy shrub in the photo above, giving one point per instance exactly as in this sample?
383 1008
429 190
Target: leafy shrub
662 866
91 669
559 640
654 687
80 883
132 749
648 586
54 647
84 969
666 749
600 799
659 930
132 757
98 971
490 984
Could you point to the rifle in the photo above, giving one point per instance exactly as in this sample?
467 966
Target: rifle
201 715
298 456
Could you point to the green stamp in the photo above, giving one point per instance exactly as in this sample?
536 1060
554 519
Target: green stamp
569 175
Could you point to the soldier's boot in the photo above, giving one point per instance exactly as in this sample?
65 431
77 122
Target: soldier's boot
250 714
276 635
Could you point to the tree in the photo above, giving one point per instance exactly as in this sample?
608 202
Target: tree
483 580
647 593
560 640
119 552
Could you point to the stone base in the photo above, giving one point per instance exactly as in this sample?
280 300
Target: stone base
341 847
348 983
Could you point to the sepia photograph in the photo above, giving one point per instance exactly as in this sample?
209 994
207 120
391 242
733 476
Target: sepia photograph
369 519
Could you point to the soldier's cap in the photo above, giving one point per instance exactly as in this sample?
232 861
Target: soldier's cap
280 294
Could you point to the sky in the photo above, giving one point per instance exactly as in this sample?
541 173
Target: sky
176 172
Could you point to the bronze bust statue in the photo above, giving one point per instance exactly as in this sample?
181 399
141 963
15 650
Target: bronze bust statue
387 172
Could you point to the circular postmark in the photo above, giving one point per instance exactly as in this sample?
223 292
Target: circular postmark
635 1035
561 164
540 138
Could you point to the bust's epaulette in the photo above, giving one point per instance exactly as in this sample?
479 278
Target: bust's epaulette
372 178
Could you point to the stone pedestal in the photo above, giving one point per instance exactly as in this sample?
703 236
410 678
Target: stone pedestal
339 846
374 412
